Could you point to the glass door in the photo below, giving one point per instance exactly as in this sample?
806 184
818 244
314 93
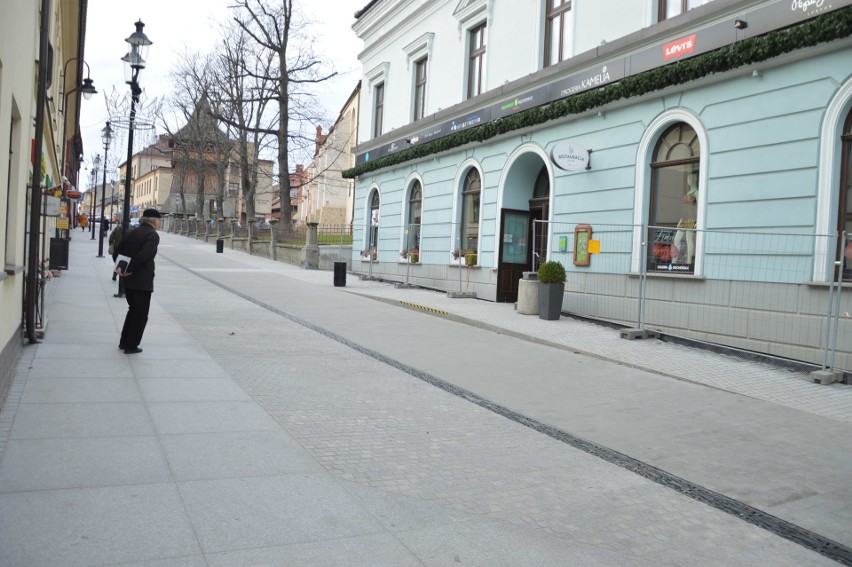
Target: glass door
515 254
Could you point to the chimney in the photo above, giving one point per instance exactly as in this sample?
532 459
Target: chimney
319 139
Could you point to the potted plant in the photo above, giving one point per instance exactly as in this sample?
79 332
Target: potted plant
551 276
414 257
470 259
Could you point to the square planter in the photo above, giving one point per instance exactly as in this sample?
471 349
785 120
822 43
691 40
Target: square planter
550 300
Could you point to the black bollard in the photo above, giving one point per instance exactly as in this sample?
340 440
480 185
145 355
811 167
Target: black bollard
340 274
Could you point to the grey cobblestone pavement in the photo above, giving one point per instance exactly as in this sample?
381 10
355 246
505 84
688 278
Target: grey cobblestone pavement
251 432
763 381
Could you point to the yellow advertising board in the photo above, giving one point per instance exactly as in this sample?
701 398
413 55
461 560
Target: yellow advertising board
62 223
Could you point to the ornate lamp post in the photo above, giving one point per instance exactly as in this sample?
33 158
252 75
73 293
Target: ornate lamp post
106 136
96 165
134 62
88 89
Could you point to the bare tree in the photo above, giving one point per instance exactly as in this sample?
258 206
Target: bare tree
190 85
242 99
275 26
201 151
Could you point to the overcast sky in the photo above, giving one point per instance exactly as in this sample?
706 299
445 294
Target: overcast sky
174 24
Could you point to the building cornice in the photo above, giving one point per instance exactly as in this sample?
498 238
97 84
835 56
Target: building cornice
408 143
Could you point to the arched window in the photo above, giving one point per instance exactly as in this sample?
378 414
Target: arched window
415 210
469 226
674 201
373 233
844 222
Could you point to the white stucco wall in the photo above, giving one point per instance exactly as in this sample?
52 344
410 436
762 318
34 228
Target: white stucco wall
396 34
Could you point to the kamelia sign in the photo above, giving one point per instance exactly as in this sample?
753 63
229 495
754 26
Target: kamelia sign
570 156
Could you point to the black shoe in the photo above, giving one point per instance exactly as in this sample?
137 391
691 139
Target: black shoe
121 347
118 295
132 350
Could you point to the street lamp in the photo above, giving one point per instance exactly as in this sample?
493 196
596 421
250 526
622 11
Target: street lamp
88 89
106 136
96 165
134 62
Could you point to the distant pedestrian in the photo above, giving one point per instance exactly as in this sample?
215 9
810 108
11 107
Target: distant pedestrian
140 245
84 221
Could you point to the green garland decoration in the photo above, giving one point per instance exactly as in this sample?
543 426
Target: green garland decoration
822 29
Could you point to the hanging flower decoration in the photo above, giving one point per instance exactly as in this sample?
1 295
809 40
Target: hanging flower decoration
43 272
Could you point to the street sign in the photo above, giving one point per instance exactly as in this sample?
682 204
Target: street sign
74 194
51 206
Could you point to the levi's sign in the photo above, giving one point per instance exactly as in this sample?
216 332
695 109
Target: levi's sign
679 47
570 156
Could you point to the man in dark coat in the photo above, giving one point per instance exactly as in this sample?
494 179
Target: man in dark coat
140 245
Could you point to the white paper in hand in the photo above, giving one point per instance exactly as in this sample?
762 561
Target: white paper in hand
121 262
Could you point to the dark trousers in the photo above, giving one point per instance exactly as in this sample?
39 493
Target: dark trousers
138 304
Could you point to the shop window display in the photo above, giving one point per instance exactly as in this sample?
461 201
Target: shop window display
845 205
674 202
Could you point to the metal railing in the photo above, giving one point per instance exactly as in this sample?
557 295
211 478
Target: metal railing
753 290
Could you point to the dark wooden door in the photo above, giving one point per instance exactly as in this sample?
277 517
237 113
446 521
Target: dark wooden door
515 253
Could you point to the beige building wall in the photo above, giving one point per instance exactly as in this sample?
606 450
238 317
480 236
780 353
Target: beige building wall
19 54
152 189
328 198
146 185
264 195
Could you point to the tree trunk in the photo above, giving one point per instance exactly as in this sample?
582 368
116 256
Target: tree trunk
283 147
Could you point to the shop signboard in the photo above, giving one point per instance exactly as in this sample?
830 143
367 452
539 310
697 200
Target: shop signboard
599 76
523 101
51 206
570 156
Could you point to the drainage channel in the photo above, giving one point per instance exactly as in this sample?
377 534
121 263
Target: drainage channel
806 538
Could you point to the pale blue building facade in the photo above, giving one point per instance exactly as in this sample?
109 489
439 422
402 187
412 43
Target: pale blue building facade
707 160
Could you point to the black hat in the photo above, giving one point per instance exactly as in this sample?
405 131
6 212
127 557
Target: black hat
152 214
